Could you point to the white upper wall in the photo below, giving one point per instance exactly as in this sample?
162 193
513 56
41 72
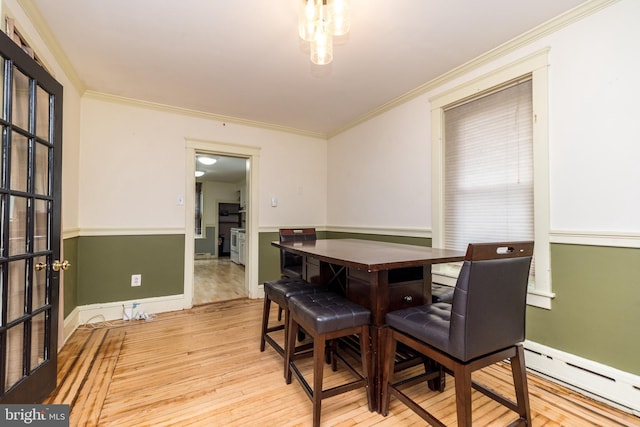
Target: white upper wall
130 168
379 170
70 114
213 193
133 168
131 165
594 126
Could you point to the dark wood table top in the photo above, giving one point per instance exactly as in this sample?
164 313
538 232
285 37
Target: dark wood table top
370 255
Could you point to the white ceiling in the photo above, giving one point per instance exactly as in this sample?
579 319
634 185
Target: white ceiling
225 169
243 59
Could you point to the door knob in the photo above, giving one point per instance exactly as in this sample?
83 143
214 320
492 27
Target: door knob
57 265
40 266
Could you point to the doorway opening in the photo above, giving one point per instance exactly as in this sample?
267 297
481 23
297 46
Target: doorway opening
251 156
220 224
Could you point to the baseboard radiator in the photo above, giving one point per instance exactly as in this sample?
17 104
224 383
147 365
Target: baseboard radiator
603 383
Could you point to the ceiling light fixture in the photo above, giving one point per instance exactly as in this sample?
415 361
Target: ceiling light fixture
199 174
206 160
319 22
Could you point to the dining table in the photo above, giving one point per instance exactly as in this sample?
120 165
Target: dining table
382 276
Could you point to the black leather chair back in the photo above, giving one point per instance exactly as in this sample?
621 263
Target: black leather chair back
289 262
489 301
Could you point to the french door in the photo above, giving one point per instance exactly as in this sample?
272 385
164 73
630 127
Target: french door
30 172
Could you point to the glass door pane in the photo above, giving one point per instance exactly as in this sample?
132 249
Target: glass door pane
30 167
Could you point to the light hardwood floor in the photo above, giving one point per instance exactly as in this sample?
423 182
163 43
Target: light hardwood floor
217 279
203 367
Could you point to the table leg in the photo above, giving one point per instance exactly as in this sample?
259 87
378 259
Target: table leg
377 334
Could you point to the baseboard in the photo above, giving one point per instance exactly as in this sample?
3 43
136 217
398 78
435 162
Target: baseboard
70 325
203 255
113 310
601 382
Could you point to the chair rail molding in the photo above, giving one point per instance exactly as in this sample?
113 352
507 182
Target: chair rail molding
596 238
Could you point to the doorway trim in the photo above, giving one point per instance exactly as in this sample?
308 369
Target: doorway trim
250 153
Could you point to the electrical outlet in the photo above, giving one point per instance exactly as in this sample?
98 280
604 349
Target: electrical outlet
136 280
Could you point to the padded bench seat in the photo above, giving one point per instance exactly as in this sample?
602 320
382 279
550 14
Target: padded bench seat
442 293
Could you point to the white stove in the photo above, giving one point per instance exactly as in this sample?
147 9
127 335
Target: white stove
237 245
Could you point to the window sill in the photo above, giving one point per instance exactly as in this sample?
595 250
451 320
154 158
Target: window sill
535 298
540 299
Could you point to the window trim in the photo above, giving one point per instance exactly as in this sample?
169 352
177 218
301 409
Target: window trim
536 65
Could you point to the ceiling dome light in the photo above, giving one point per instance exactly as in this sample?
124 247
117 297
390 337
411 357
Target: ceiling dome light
199 174
206 160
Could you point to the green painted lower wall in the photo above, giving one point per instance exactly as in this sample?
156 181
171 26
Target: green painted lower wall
105 265
268 258
595 314
70 277
596 311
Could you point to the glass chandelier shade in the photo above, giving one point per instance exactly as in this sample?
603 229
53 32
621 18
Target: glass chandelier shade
319 22
322 48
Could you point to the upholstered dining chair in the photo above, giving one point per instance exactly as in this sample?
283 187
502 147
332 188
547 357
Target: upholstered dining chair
291 283
290 263
483 325
328 316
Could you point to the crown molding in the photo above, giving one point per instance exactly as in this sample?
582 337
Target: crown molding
41 26
576 14
561 21
117 99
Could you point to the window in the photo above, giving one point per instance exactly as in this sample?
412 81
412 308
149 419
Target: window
490 166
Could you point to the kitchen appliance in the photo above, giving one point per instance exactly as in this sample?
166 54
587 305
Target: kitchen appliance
235 244
241 246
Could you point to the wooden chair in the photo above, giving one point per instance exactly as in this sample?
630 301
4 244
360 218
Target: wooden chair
327 316
485 324
291 264
280 291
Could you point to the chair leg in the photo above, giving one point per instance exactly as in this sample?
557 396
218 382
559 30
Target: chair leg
318 368
462 374
279 314
287 344
290 347
365 354
390 345
439 383
265 320
330 357
519 373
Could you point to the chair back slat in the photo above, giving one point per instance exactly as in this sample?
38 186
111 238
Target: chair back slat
489 302
501 250
287 259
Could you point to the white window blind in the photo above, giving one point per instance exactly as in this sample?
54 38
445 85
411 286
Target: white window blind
488 168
